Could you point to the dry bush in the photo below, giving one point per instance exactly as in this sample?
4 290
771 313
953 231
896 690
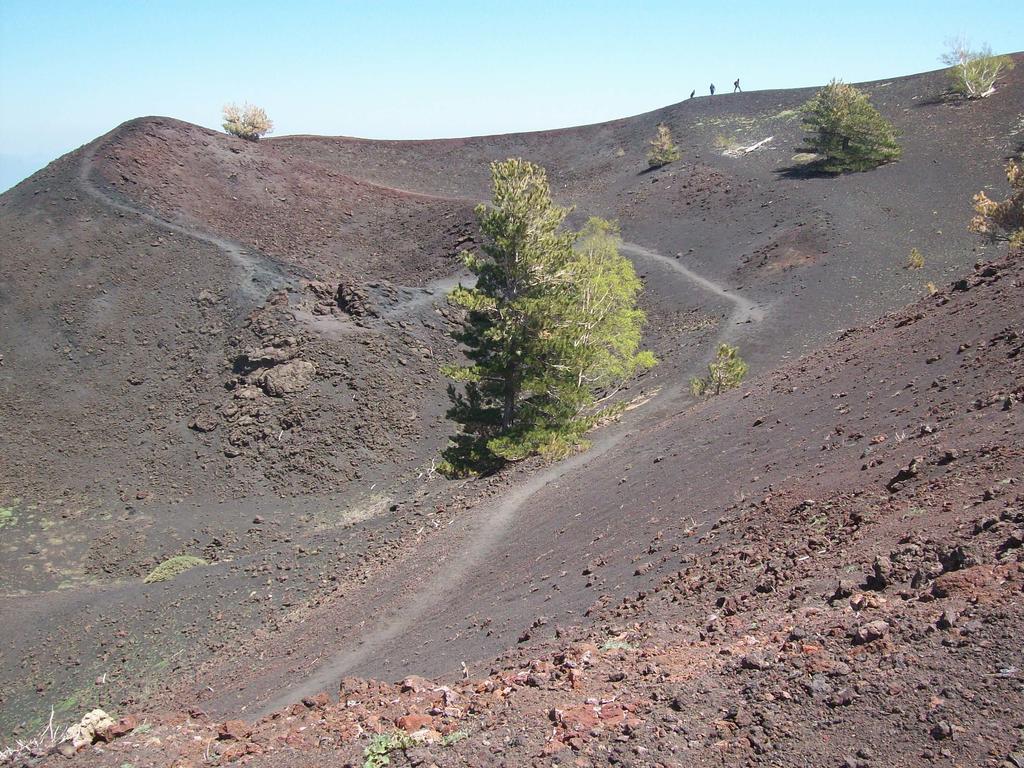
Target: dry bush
247 122
973 73
663 150
1003 220
31 748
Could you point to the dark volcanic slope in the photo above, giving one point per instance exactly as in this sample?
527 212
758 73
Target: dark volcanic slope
290 209
231 350
156 381
854 599
832 249
121 326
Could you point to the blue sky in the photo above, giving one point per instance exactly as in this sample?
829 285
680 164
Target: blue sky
72 70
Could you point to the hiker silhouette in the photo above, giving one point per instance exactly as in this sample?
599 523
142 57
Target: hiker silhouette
712 89
736 86
693 93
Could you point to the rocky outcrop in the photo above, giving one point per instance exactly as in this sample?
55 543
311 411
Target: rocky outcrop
346 297
285 379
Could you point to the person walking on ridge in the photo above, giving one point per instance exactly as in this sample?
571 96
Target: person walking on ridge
736 86
712 89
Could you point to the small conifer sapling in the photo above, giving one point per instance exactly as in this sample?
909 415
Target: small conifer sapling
726 371
663 150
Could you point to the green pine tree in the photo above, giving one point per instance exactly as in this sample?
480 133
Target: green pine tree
726 371
550 326
847 130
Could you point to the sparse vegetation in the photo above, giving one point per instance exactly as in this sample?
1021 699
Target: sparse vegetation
376 754
172 567
915 260
246 122
723 142
617 645
931 288
726 371
551 324
801 159
973 73
847 131
453 738
26 750
663 150
1003 220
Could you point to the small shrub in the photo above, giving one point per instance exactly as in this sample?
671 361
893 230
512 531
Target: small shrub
453 738
915 260
27 749
617 645
663 150
931 288
973 74
726 371
172 567
847 131
247 122
383 744
1003 220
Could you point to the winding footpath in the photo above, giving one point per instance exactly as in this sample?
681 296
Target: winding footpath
744 310
260 276
492 525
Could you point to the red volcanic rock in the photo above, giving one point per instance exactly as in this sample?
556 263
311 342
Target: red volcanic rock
413 722
234 730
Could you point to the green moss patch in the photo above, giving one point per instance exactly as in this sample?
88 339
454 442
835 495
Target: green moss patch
7 517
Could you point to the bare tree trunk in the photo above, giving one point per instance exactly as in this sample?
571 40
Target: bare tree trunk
508 410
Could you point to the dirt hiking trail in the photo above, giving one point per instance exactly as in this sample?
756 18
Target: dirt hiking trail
261 276
489 528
